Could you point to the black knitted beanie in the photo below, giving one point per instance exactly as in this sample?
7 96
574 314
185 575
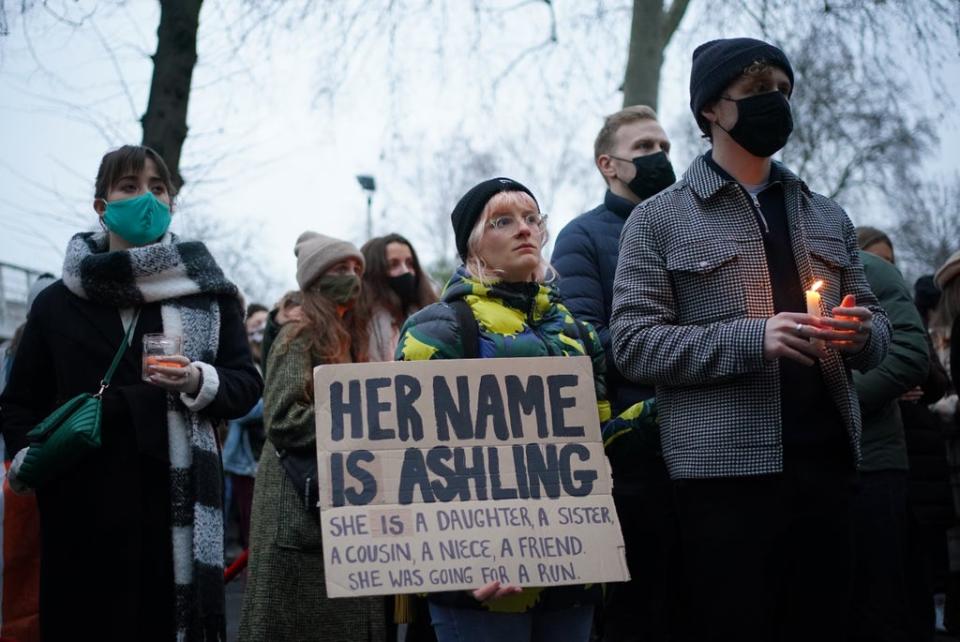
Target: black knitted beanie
719 62
468 210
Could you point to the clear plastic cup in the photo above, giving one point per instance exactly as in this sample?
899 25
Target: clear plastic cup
158 346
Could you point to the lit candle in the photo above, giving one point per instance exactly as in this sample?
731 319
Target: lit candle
813 305
813 299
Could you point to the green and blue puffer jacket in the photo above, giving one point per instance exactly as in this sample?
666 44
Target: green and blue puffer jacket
527 320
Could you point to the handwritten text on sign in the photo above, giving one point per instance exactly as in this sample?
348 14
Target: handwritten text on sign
444 475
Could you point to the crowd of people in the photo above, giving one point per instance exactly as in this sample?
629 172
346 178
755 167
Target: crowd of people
775 403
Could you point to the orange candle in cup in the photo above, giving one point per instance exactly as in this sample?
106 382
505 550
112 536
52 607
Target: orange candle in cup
159 361
157 350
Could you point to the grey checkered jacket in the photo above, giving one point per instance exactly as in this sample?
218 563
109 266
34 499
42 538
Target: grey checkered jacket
690 302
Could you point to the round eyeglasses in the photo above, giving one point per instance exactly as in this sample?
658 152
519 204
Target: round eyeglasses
510 224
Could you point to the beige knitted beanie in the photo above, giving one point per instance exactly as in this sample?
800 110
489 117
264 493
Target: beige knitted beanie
317 252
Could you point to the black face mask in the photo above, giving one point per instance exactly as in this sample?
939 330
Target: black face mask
405 287
654 174
764 123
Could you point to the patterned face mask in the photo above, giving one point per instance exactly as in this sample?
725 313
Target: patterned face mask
339 288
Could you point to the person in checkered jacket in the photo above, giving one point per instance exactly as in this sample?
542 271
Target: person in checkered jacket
759 417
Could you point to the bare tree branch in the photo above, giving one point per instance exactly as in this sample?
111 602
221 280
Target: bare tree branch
44 217
31 233
926 224
550 40
524 3
671 20
116 67
852 134
237 249
76 23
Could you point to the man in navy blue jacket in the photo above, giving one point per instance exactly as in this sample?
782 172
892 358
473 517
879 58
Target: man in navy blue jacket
632 154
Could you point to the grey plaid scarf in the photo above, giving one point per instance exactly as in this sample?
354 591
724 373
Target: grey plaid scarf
185 279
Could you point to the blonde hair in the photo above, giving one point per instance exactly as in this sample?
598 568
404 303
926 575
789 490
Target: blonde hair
948 308
604 142
498 204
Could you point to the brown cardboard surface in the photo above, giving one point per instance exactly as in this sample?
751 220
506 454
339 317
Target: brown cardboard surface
389 465
463 545
446 475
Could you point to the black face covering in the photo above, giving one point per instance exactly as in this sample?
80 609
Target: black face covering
764 123
405 287
654 174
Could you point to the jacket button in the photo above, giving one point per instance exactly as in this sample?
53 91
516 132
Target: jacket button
704 264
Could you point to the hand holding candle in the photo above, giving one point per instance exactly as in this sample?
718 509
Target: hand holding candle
158 350
803 337
174 373
163 364
787 335
854 323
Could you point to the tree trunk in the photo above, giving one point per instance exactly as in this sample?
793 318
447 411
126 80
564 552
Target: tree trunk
165 121
650 33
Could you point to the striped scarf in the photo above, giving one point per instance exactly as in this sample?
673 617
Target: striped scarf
185 279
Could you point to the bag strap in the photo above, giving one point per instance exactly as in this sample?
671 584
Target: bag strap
469 332
105 382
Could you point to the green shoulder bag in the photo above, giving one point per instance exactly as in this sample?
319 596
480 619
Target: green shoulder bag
70 432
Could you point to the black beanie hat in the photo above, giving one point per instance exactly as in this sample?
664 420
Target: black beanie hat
719 62
468 210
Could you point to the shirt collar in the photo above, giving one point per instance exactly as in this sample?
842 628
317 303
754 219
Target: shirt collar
706 178
618 205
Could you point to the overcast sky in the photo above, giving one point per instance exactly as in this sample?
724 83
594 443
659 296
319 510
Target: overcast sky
267 148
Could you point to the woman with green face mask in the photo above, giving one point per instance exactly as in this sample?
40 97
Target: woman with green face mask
285 598
142 512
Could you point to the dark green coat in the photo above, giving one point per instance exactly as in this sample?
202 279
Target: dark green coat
904 367
286 597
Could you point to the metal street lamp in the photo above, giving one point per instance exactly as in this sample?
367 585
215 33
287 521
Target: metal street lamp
369 186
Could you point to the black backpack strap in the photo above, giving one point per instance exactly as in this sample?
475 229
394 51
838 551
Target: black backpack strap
469 332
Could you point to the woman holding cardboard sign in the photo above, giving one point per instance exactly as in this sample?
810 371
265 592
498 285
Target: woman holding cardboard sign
286 597
500 303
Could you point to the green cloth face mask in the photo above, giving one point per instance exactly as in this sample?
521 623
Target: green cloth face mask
339 288
139 220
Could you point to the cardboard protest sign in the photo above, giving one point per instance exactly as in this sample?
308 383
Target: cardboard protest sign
445 475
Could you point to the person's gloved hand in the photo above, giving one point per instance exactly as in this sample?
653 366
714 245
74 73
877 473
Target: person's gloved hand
631 440
16 485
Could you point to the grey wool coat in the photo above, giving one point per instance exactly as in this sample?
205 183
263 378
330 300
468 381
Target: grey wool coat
285 598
